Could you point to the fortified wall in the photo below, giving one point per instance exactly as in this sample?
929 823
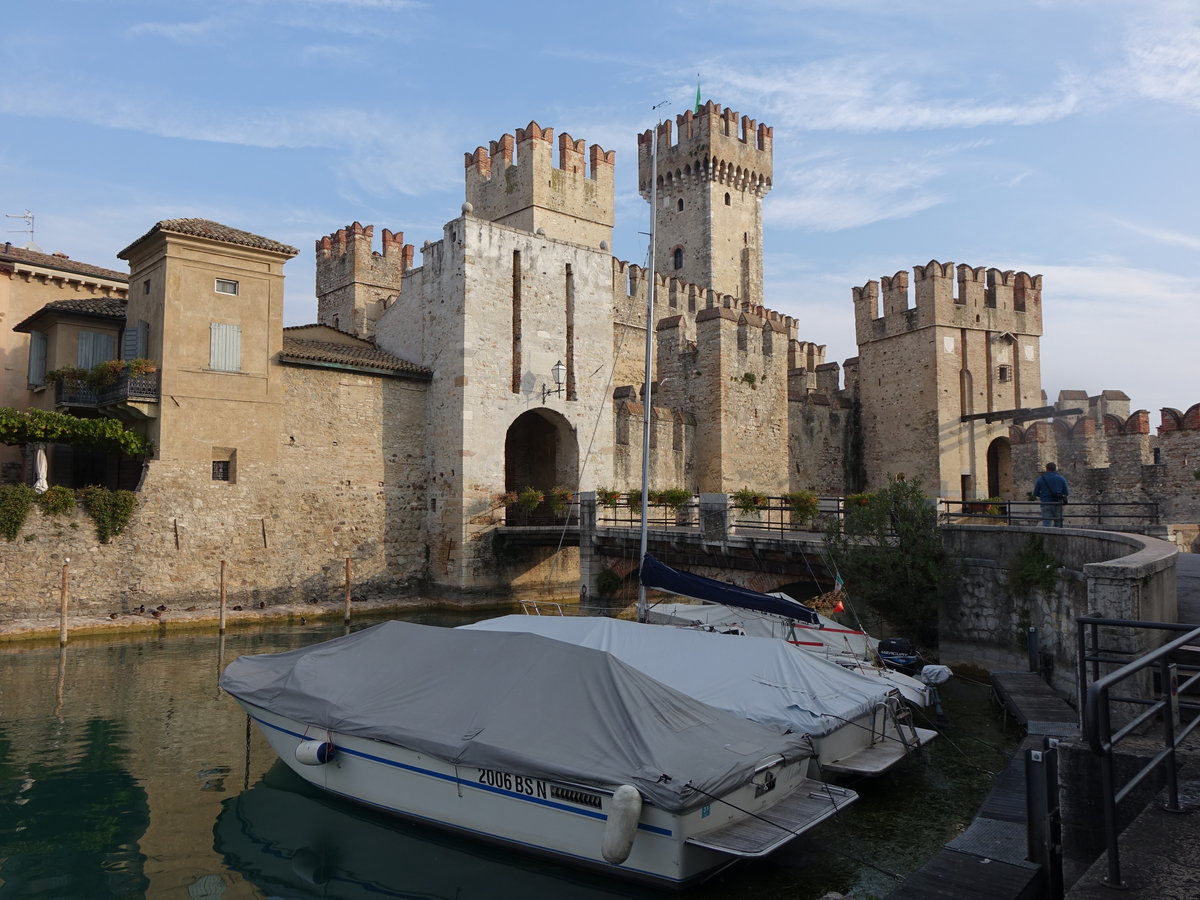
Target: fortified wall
349 474
355 283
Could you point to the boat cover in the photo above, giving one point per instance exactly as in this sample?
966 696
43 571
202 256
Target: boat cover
662 577
521 703
762 679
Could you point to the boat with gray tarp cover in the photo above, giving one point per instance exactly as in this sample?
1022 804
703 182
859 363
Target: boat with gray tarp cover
535 743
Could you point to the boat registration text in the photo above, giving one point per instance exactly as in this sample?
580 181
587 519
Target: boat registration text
519 784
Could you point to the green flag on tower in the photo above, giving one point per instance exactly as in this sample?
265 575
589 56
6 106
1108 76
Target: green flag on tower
696 108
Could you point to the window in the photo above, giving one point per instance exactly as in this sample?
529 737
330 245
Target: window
225 347
37 358
226 286
678 257
680 206
224 464
146 286
1006 373
95 347
727 201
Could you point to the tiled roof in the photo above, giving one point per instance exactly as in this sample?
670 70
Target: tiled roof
213 231
59 262
362 355
96 307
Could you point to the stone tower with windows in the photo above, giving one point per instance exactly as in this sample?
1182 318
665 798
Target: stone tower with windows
355 284
711 184
933 368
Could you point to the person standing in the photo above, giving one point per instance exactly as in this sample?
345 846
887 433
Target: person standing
1051 489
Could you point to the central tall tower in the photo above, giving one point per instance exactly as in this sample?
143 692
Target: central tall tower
711 184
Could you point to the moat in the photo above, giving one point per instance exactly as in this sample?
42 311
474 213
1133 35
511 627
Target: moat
125 772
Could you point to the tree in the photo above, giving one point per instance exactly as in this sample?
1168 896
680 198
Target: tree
889 551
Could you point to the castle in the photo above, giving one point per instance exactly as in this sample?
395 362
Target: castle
512 355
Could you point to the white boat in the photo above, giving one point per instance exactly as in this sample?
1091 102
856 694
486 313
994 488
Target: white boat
858 725
731 609
536 744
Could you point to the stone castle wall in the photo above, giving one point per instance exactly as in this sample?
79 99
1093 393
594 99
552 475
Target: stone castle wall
348 481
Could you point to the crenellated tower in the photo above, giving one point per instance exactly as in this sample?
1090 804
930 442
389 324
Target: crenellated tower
515 182
355 284
933 369
712 178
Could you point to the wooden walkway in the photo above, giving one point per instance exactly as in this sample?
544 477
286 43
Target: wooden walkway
988 860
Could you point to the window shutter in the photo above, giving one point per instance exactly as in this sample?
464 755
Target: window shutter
37 358
129 344
225 348
143 339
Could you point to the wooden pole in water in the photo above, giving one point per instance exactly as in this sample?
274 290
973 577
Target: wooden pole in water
221 618
62 602
346 619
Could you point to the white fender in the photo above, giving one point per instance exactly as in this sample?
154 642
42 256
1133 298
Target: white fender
314 753
621 827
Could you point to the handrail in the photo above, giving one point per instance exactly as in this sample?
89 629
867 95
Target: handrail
1097 725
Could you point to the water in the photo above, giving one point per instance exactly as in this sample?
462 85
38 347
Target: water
125 773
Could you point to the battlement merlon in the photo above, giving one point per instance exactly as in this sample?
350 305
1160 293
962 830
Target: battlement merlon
357 238
987 299
714 145
531 146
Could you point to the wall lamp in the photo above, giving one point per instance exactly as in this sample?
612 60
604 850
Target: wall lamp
559 372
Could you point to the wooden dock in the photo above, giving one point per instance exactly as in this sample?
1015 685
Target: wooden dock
1034 704
988 860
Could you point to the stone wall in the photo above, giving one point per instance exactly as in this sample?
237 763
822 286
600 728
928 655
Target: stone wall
348 482
1103 574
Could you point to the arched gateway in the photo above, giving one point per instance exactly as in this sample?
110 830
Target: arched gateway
540 451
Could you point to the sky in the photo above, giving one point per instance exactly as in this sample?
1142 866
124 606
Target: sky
1055 137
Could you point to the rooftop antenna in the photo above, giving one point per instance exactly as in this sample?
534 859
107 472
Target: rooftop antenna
28 229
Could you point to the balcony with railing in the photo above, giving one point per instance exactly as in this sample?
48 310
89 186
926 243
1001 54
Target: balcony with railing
131 397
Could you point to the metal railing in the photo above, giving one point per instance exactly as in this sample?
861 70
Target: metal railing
138 388
1029 512
1104 735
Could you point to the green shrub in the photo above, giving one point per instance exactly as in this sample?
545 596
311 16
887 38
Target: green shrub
748 501
1033 569
804 504
530 499
15 501
675 498
609 498
608 583
57 501
559 498
110 510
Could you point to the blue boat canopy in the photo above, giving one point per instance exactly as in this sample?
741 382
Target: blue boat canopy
662 577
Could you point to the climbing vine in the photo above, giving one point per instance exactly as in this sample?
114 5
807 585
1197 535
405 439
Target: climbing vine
1033 569
15 501
41 426
110 510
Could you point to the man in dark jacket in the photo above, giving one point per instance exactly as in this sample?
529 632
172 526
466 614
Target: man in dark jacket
1051 489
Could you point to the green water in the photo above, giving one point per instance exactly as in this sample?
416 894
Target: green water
125 773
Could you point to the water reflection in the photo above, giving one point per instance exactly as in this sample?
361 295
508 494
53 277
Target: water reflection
289 839
72 827
118 756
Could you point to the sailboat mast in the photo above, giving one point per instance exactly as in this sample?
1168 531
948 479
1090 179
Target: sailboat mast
647 398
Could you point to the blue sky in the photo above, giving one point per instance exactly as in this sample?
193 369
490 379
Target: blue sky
1058 137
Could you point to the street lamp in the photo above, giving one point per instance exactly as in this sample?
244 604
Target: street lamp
559 372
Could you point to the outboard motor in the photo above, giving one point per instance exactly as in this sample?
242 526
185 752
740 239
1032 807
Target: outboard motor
900 654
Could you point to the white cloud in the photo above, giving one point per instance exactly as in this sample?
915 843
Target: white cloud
1164 236
842 194
861 94
1163 54
181 32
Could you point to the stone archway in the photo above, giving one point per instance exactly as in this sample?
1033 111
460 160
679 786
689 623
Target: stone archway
540 451
1000 469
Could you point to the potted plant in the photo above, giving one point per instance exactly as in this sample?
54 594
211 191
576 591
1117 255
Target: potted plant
748 501
529 499
559 498
804 506
70 377
105 374
609 498
141 366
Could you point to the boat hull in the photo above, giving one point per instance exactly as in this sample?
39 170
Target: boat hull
564 821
